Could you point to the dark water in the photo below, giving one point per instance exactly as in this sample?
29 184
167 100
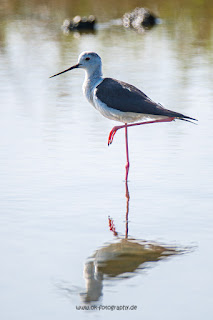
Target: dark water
60 182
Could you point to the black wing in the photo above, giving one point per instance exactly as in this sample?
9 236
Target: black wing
127 98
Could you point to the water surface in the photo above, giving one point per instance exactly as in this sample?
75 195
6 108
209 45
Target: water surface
60 182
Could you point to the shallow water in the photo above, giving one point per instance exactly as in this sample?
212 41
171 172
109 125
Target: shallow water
60 182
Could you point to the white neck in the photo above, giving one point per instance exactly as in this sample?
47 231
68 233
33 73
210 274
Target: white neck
93 74
92 78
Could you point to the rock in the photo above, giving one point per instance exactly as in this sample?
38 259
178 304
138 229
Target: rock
139 18
80 23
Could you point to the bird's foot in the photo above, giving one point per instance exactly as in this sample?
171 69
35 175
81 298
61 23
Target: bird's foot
112 133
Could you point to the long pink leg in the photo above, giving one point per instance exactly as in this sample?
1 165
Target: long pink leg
127 153
115 129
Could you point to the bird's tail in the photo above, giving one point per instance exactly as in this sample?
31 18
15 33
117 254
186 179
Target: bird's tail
177 115
188 119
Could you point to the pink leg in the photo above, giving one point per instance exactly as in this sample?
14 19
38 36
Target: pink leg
127 153
127 210
114 130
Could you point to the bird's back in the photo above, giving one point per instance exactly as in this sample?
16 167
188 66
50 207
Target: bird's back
127 98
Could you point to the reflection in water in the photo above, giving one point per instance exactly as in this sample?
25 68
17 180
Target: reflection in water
111 223
120 259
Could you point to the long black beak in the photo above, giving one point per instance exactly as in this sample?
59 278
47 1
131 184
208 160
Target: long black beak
73 67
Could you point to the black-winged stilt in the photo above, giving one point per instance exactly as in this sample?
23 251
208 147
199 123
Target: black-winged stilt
120 101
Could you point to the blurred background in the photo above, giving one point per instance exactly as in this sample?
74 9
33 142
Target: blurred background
60 182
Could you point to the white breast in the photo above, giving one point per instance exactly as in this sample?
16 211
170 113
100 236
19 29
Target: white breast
89 86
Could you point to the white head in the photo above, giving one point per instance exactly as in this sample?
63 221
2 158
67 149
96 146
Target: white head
89 61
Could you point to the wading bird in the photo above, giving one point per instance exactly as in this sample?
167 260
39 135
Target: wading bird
118 100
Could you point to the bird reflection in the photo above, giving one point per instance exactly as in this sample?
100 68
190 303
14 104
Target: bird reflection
121 259
111 223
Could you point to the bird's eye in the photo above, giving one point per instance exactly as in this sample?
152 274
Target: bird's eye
87 58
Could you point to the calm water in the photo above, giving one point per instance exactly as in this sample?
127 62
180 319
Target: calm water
60 182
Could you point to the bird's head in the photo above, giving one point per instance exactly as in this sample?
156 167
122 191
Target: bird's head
89 61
